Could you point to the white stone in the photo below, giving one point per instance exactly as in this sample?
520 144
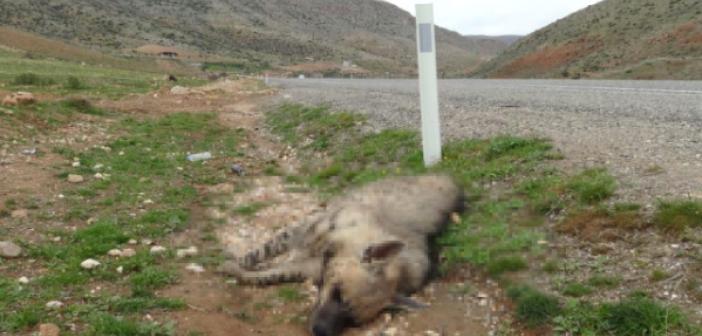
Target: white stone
75 178
19 214
128 253
114 253
133 242
189 252
23 280
9 249
89 264
120 269
157 250
75 164
195 268
54 304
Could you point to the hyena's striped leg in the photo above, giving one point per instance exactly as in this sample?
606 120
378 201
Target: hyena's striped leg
289 272
280 244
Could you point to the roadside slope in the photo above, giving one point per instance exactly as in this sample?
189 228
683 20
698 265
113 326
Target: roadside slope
651 39
374 34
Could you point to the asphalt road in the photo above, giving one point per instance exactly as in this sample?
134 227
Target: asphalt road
631 127
655 100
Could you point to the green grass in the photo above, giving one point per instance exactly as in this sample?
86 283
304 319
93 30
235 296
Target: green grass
56 76
31 79
250 209
576 290
150 279
592 186
633 316
102 324
506 264
290 294
146 161
676 216
534 308
603 281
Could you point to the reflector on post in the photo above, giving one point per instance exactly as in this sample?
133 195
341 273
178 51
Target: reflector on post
428 84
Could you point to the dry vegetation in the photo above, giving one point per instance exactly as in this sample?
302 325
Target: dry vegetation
647 39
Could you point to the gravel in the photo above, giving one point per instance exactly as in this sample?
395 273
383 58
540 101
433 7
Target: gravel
648 133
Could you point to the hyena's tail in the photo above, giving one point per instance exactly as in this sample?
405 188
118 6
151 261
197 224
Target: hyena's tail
278 245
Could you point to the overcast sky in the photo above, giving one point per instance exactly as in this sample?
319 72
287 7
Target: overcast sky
497 17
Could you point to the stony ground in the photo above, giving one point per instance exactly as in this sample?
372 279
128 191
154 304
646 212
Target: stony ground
649 134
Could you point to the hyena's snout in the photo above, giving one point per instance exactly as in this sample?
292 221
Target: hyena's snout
330 319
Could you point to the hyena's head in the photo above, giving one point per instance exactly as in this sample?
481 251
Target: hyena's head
354 290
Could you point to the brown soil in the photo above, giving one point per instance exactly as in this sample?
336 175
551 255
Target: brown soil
549 58
596 226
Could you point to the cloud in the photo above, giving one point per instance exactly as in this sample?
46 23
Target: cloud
497 17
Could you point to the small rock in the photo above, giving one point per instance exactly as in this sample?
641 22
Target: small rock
20 214
99 176
49 329
147 242
189 252
54 305
238 170
204 156
431 333
148 201
120 269
29 151
157 250
132 242
98 166
456 218
75 164
9 249
23 280
195 268
128 253
89 264
179 90
19 98
115 253
75 178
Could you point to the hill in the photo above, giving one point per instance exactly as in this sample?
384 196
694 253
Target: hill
376 35
640 39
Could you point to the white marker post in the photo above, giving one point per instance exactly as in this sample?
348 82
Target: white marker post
428 85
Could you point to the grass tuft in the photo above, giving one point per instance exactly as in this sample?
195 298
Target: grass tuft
31 79
534 308
592 186
506 264
678 215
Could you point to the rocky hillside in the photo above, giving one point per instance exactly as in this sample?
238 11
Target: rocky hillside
374 34
641 39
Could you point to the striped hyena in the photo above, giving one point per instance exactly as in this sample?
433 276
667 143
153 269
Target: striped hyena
365 251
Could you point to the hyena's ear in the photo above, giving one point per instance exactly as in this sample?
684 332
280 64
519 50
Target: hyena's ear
382 251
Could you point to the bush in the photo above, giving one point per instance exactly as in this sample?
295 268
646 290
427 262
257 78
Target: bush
534 308
30 79
592 186
678 216
73 83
